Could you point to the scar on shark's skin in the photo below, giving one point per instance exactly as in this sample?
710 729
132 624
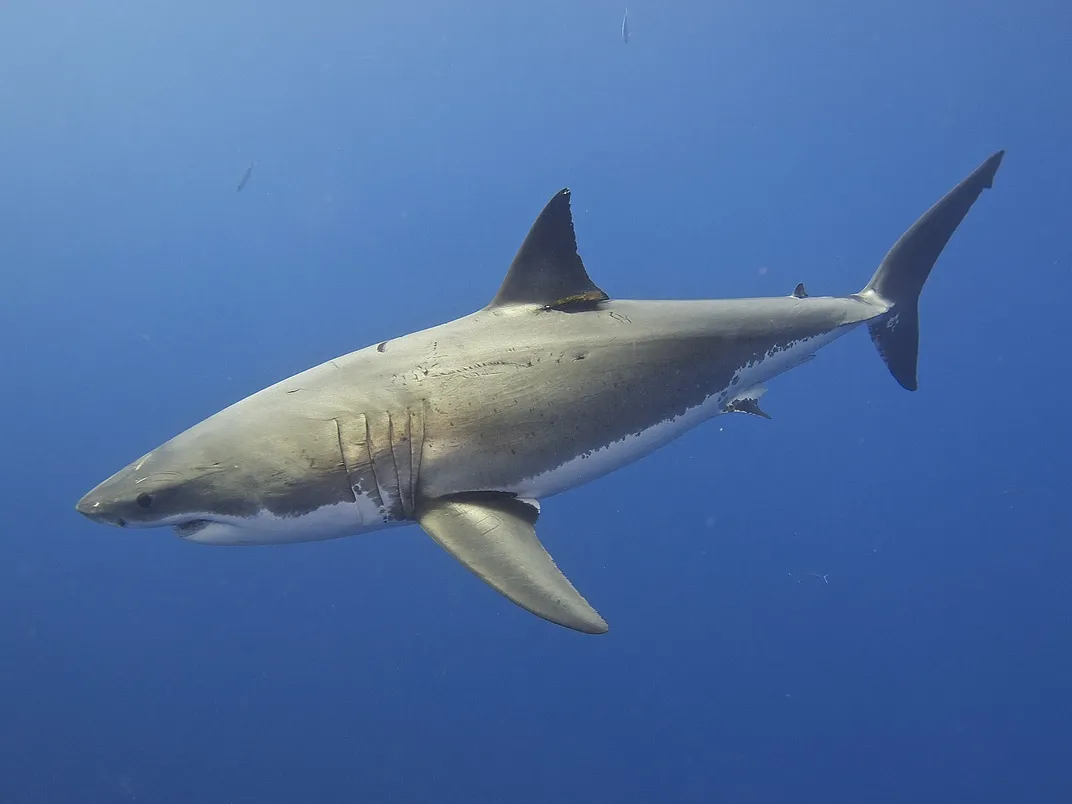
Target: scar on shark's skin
464 427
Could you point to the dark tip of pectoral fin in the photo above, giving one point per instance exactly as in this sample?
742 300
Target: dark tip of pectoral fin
547 269
494 536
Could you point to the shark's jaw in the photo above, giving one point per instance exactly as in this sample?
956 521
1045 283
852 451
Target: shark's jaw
327 522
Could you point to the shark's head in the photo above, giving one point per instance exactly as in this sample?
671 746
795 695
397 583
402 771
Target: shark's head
231 481
168 487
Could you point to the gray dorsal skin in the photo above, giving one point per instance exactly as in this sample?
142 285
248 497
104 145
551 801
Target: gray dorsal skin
465 426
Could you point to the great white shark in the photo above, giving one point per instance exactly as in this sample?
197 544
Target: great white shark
463 428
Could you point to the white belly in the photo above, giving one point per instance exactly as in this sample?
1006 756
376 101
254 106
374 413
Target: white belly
328 522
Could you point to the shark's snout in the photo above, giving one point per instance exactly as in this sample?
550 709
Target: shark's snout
94 506
125 499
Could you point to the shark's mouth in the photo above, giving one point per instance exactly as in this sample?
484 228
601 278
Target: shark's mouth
187 529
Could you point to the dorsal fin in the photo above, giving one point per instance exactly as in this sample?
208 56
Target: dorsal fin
547 269
799 292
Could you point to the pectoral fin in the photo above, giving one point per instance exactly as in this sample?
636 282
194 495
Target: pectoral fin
494 535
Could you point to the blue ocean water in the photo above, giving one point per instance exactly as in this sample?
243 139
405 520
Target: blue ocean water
402 151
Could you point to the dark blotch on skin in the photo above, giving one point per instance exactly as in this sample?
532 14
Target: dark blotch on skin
144 500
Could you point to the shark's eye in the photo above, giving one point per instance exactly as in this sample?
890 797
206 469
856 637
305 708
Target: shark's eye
144 500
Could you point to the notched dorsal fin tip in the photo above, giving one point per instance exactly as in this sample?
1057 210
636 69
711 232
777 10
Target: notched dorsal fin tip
547 269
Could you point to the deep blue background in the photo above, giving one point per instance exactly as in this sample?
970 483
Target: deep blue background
402 152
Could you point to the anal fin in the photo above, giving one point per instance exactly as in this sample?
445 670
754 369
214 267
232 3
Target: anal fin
747 402
494 536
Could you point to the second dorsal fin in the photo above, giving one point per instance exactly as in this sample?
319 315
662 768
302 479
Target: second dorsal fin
547 269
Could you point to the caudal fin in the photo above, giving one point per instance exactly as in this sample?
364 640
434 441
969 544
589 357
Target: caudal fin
900 277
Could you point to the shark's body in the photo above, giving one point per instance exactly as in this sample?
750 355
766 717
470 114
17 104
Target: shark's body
465 426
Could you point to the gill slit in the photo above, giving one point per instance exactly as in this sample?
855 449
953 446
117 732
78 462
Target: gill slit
342 456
